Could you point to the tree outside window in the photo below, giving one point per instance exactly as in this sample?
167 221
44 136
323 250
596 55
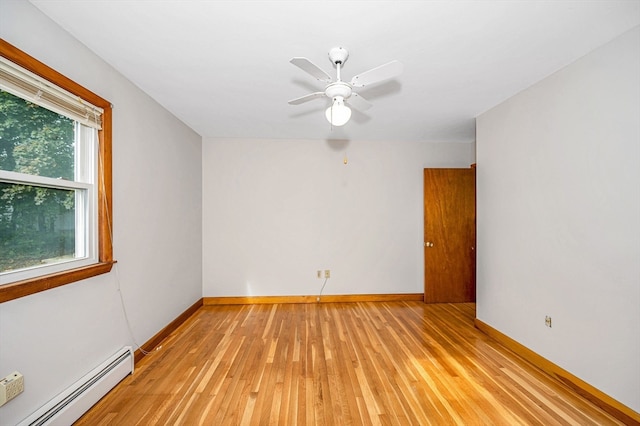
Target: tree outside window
36 223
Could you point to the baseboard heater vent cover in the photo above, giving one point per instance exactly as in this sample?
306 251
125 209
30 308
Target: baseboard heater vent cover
72 403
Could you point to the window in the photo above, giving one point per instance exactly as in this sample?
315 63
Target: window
55 178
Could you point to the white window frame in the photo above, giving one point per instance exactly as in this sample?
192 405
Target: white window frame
84 185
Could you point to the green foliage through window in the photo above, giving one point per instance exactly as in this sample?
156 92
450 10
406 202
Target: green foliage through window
37 223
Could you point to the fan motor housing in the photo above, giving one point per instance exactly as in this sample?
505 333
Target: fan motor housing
339 88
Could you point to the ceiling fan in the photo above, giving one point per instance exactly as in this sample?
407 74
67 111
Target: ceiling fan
340 92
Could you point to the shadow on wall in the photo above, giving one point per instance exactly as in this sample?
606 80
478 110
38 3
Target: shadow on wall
338 145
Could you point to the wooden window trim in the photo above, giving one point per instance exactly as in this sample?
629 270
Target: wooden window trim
105 217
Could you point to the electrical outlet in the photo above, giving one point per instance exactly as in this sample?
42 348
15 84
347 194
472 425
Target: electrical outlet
327 273
547 321
319 274
10 387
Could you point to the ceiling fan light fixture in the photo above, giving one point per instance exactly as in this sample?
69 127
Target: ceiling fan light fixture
338 114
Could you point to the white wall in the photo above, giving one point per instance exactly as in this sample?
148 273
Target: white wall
558 187
275 211
55 337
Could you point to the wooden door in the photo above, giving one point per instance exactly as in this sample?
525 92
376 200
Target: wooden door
449 235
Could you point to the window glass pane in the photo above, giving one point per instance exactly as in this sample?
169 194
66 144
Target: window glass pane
37 226
35 140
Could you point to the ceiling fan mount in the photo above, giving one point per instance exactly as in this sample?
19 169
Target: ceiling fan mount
338 55
340 91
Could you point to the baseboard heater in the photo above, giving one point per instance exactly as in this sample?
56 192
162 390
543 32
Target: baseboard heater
72 403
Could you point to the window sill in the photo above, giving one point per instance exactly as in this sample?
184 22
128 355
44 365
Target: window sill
35 285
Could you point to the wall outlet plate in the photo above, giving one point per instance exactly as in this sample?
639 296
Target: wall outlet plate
10 387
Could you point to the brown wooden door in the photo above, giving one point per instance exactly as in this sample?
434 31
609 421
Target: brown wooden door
449 235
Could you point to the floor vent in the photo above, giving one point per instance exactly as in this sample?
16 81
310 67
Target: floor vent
71 404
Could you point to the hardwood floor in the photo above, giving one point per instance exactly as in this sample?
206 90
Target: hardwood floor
371 363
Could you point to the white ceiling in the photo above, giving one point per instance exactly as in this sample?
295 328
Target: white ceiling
223 67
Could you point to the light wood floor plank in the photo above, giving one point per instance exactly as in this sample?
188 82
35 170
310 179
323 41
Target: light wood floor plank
361 363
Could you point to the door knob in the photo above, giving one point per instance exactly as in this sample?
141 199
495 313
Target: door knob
428 244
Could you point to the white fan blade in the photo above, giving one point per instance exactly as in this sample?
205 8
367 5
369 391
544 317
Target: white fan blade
383 72
306 65
358 102
306 98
